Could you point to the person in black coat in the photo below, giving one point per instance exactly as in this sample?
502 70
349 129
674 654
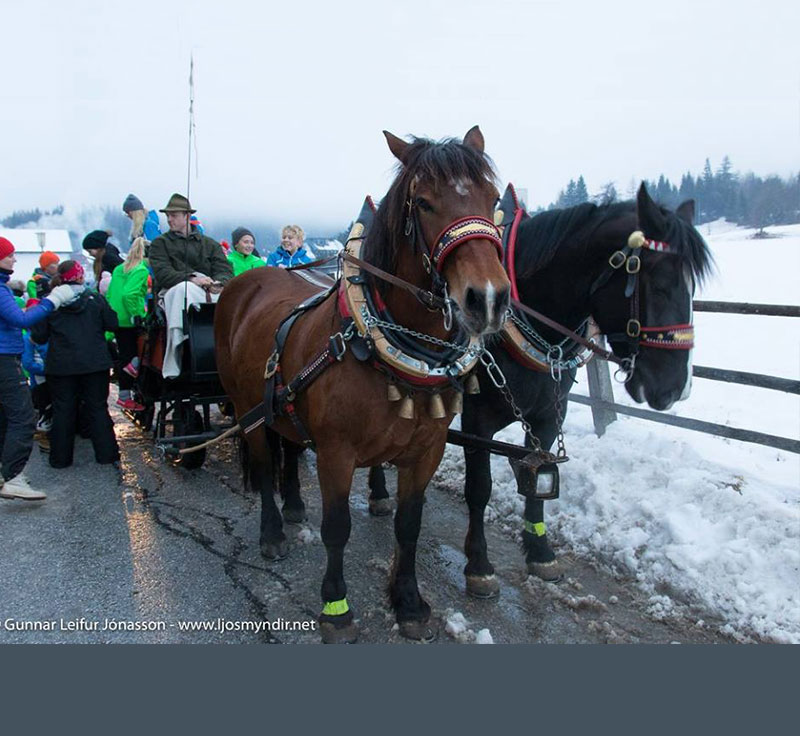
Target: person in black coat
77 368
106 255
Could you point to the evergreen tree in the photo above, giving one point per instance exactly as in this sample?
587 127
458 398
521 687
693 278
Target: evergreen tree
581 194
725 185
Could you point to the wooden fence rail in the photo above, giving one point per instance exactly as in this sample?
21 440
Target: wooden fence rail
605 410
765 310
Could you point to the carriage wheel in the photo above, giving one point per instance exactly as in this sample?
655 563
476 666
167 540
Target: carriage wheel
187 420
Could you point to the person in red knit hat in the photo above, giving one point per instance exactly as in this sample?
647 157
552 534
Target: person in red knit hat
17 418
39 283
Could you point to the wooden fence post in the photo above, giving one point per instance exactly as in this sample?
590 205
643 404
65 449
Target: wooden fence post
600 388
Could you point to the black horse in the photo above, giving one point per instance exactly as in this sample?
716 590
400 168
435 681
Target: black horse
563 270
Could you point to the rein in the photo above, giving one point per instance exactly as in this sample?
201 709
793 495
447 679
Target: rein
588 344
428 298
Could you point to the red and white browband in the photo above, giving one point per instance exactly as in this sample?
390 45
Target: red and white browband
637 240
461 231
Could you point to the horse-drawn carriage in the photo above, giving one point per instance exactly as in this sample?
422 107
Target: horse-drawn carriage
179 410
362 398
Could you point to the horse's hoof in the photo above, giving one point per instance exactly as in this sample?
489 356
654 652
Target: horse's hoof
381 506
294 515
332 634
275 550
550 572
418 630
483 586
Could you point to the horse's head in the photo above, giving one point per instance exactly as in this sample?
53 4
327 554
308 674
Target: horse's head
645 305
438 222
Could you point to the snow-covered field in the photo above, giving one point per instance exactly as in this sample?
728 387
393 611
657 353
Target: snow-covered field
705 524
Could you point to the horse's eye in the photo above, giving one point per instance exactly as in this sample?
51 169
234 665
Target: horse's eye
424 204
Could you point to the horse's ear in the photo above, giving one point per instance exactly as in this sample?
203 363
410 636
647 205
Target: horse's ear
686 211
474 139
396 145
651 219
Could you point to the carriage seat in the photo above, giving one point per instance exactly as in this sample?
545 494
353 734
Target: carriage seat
199 360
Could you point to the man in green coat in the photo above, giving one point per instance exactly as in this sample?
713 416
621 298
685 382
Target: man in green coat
181 255
188 268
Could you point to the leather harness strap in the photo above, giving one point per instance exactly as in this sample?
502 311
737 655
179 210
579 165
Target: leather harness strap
428 298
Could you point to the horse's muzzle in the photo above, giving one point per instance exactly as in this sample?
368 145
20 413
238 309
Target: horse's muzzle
484 309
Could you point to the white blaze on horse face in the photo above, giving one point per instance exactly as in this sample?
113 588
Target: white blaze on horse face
461 186
687 388
490 299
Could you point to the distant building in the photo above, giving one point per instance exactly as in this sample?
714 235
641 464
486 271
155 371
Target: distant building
30 244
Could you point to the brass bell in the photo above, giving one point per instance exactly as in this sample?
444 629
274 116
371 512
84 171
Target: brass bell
436 407
406 408
457 403
472 386
394 393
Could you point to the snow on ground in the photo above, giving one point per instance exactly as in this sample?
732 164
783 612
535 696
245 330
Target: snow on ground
698 520
457 627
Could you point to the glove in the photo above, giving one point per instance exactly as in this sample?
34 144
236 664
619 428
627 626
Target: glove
61 295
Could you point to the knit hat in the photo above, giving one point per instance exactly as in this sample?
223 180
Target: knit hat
96 239
6 248
178 203
239 233
48 258
132 203
73 275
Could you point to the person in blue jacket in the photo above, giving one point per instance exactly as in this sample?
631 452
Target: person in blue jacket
33 360
17 417
291 251
145 222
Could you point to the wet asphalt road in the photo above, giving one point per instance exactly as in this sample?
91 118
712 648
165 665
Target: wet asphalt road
162 546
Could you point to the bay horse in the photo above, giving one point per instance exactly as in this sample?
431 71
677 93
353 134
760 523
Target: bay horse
433 226
562 269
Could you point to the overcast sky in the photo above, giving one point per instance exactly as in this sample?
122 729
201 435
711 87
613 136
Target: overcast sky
291 97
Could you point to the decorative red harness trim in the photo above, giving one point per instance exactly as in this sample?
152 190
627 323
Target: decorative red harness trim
657 245
669 337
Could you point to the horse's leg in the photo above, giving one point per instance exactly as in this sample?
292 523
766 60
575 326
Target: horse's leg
294 510
479 572
262 462
413 613
379 502
335 468
539 555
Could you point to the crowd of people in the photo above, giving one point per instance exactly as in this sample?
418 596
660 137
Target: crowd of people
66 333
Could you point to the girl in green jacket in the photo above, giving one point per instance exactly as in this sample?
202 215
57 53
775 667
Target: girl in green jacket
127 295
241 256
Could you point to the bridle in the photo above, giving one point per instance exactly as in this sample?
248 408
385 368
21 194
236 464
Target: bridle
454 235
665 337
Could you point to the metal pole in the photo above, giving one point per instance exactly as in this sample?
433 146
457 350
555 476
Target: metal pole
191 124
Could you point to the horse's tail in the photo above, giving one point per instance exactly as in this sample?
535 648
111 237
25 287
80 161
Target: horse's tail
244 462
275 460
276 456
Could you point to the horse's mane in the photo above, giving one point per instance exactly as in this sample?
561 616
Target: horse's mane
433 162
540 237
